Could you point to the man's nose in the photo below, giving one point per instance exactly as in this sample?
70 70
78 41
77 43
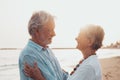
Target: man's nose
53 33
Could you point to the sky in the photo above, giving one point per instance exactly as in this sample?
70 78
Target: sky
70 16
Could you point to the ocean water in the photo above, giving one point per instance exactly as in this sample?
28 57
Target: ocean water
67 58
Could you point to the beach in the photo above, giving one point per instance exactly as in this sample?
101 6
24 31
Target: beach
109 59
111 68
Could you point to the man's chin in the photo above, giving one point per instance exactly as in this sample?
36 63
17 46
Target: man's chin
49 42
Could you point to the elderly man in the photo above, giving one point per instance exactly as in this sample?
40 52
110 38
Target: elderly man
41 29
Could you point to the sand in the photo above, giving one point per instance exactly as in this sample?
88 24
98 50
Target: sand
111 68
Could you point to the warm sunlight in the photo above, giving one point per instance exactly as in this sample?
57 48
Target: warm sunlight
69 15
89 58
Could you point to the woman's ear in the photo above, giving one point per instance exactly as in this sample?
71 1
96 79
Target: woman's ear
90 42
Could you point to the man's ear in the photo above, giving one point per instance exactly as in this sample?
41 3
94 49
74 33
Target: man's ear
35 31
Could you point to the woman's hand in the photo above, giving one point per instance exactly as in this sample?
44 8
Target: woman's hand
33 72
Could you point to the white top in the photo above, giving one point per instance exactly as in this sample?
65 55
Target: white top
89 69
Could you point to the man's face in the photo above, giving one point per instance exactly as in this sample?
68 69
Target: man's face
46 33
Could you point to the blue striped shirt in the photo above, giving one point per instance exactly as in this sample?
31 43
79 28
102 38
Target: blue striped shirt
45 59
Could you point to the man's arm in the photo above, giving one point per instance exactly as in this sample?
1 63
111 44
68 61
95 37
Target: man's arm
29 59
45 68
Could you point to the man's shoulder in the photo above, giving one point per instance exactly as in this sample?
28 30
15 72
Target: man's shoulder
26 51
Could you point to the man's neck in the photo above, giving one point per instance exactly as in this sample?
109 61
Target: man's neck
39 43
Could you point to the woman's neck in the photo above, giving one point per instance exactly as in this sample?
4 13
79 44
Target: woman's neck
88 52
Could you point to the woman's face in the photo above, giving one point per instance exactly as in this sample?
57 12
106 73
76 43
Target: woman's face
82 41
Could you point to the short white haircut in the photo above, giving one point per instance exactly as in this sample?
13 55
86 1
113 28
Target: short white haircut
38 20
96 33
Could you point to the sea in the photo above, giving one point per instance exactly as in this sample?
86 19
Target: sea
68 58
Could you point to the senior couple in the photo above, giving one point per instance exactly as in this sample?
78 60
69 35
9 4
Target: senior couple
37 61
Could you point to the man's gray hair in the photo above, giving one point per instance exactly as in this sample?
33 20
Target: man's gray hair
38 20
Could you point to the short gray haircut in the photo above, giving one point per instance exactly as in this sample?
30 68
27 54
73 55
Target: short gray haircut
94 33
38 20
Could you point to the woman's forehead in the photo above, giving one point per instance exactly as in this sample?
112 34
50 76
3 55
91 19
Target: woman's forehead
81 34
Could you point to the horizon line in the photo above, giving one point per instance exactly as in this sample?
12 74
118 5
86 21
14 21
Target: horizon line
22 48
55 48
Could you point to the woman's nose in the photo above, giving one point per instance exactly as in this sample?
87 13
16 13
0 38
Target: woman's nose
75 38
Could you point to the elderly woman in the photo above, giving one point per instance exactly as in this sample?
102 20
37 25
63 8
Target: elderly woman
89 41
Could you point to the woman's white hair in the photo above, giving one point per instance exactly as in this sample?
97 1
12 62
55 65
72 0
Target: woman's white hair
38 20
94 33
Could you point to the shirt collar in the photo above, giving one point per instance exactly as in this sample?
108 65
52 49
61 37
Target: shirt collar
90 57
35 45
